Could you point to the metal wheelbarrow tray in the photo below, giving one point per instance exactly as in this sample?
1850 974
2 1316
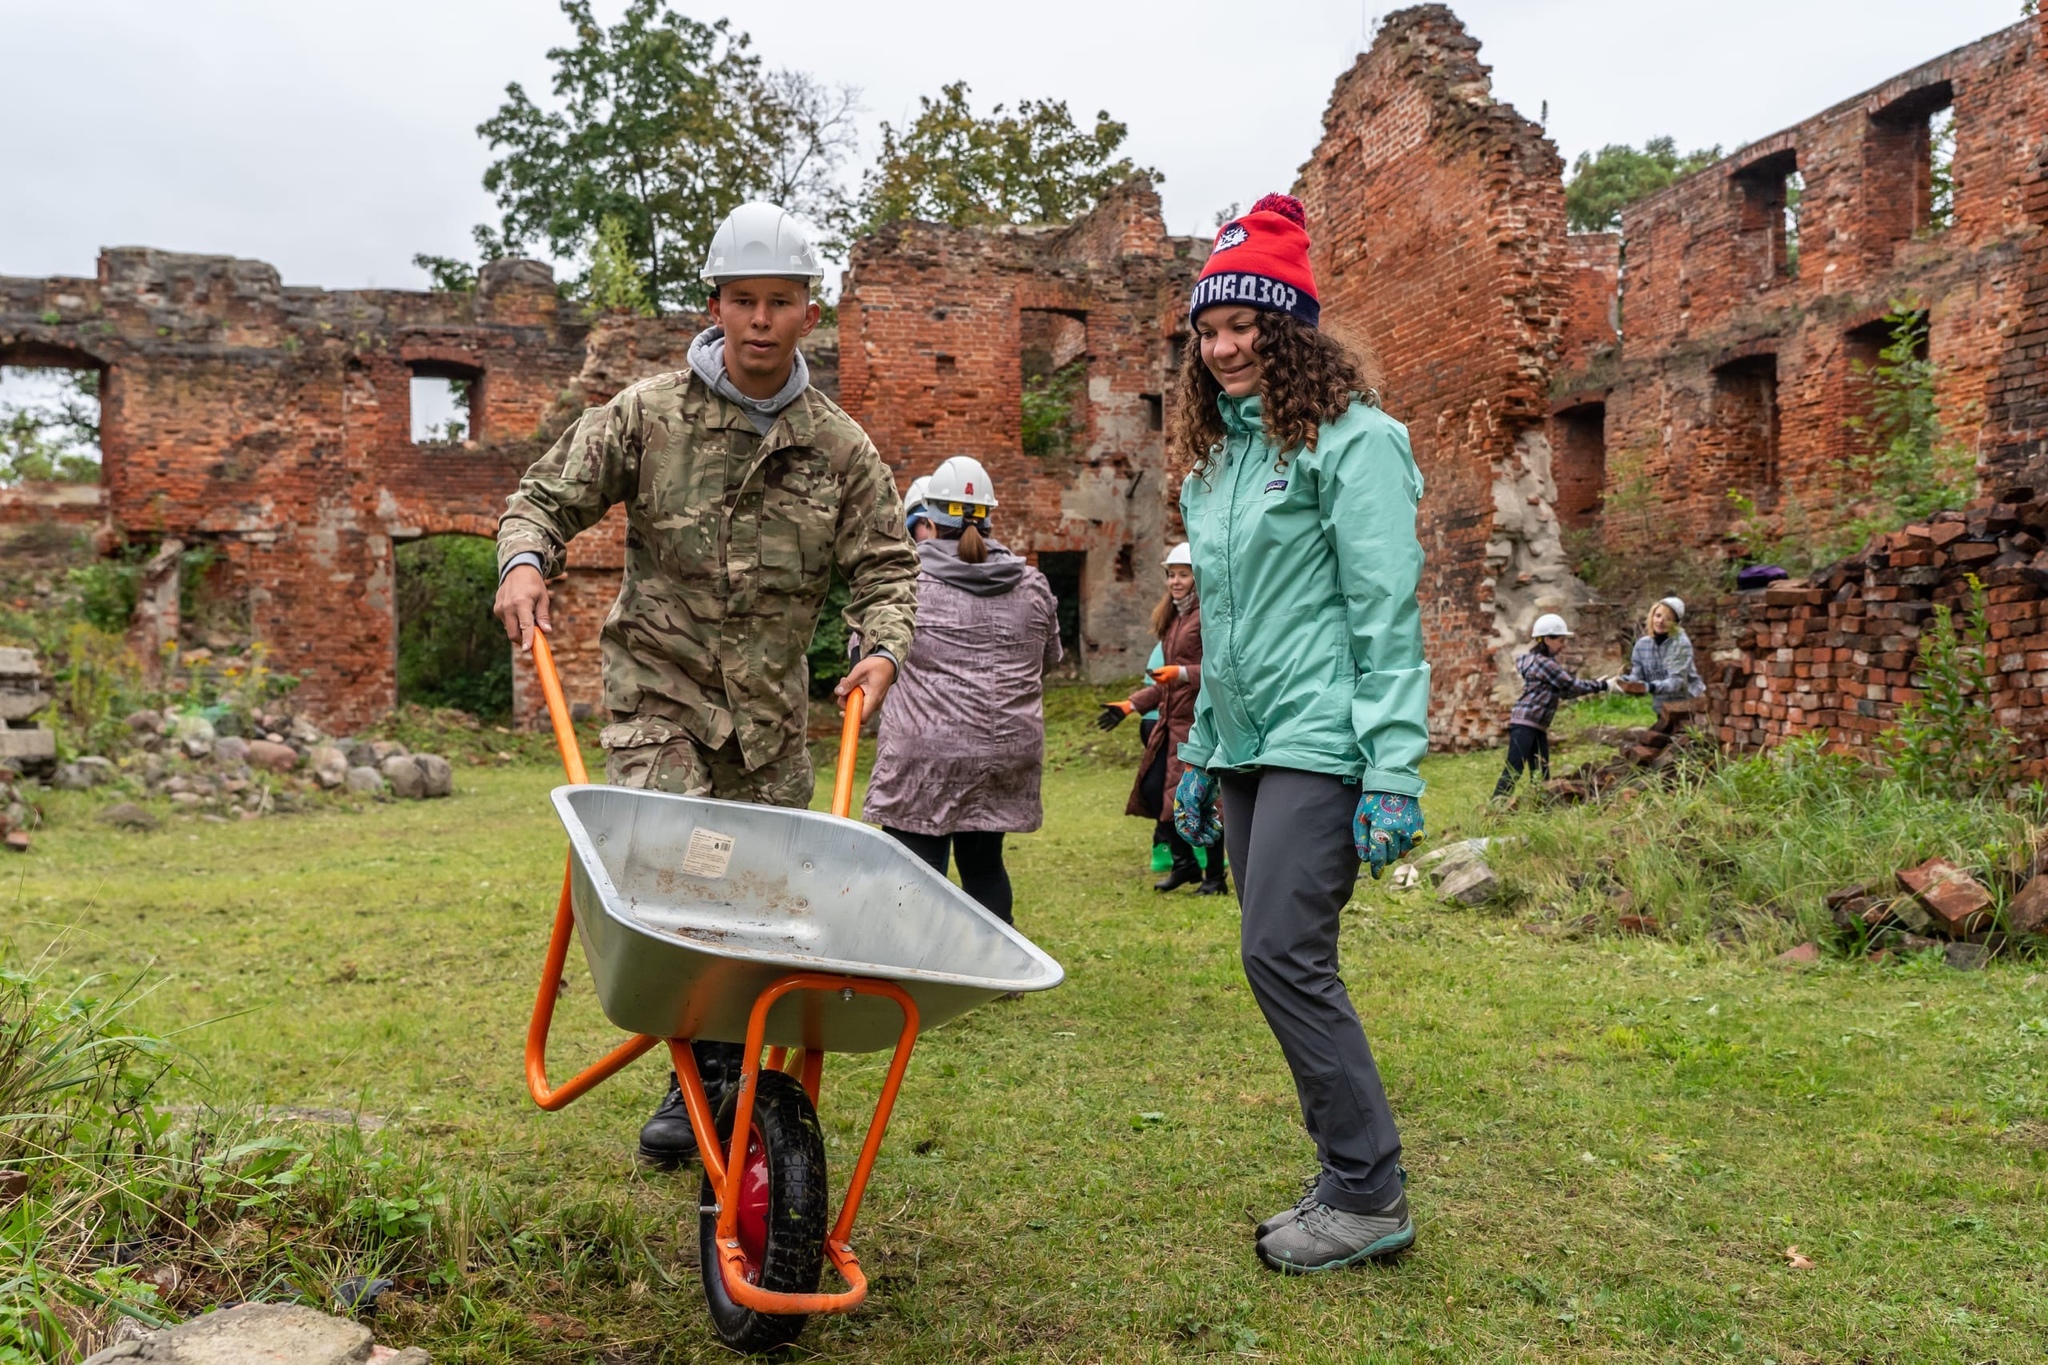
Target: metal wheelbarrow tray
782 930
689 908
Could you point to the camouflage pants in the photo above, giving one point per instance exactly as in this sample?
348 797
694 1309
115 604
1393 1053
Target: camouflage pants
683 766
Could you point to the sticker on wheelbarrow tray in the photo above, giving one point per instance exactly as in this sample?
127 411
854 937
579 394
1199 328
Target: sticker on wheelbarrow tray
708 853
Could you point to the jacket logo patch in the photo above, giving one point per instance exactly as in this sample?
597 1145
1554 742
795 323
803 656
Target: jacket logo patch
1277 486
1234 235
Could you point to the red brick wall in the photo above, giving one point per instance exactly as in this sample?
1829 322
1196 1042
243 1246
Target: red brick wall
1839 655
274 423
1704 302
1437 215
936 321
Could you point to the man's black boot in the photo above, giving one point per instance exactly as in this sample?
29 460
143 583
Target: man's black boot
666 1140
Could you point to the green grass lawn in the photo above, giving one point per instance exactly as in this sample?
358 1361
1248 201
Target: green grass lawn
1611 1142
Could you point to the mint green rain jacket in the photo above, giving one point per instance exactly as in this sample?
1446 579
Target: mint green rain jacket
1311 638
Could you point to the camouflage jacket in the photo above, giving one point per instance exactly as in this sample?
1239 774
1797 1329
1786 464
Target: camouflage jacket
731 538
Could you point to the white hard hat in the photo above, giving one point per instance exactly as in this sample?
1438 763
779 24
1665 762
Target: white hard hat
1180 554
758 240
915 495
1549 625
1677 605
959 489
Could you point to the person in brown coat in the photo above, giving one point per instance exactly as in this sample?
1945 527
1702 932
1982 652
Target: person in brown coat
1177 621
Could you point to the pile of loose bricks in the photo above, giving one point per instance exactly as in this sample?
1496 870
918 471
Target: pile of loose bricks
1840 653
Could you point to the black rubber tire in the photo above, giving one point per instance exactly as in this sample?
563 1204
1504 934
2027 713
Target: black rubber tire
794 1256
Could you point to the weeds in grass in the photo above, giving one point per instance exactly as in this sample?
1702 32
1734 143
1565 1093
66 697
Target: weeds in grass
1749 847
1946 739
120 1210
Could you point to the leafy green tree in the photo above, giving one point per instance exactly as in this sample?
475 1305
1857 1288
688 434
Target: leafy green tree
449 275
44 444
1909 463
663 124
615 282
1032 166
1604 182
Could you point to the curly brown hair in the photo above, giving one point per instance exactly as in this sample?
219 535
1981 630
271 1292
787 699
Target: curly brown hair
1306 378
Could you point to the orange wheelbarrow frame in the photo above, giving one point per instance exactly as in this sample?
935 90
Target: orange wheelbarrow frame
725 1165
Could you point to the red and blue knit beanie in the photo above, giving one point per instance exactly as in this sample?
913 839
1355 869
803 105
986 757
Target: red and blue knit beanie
1261 260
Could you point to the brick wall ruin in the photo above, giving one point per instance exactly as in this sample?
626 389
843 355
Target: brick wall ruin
1437 214
273 422
943 326
1744 330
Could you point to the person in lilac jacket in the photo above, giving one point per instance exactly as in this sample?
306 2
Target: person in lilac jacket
963 737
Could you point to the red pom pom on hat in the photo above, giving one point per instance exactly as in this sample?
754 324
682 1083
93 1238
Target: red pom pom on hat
1286 205
1260 260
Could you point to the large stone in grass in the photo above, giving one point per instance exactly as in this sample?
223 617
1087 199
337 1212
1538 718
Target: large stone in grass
260 1334
1470 882
329 764
363 780
407 782
269 754
437 774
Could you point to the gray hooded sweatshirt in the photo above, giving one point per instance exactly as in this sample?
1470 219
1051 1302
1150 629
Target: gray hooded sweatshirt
707 360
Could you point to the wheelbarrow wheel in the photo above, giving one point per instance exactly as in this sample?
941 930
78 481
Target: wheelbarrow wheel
782 1210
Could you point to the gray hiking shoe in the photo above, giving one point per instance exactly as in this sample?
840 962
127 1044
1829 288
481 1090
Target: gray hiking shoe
1307 1202
1323 1238
1292 1211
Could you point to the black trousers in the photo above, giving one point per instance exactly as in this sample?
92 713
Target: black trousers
1289 836
1528 749
982 874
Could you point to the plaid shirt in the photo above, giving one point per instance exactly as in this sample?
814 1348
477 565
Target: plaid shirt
1546 682
1666 666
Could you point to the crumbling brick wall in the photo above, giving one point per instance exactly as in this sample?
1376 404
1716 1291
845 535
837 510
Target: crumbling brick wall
274 425
940 324
1840 654
1739 368
1437 214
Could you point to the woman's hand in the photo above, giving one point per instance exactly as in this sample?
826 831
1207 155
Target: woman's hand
1195 817
1386 826
1170 673
1113 713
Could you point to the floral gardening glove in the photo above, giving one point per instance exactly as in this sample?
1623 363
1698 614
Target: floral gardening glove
1385 828
1195 817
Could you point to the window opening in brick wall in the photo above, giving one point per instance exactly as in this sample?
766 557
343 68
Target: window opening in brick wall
1155 411
1578 463
1063 570
1909 166
1744 426
1768 217
451 652
49 417
1941 162
445 409
1053 356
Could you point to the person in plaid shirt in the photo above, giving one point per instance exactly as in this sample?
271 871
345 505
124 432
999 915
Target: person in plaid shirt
1545 683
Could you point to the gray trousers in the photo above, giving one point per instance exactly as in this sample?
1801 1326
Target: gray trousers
1288 834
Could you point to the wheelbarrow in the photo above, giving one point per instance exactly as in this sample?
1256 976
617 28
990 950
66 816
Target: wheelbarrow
783 930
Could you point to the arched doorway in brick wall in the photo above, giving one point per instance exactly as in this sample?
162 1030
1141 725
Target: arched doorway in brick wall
450 651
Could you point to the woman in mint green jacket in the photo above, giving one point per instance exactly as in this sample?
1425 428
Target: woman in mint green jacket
1300 499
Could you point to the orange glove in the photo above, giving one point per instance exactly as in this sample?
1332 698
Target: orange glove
1113 713
1170 673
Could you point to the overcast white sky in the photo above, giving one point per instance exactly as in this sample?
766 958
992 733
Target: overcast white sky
335 140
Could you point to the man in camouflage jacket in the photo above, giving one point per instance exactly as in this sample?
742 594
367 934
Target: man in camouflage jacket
744 488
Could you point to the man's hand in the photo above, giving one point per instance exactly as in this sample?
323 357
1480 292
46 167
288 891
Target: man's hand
522 604
874 676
